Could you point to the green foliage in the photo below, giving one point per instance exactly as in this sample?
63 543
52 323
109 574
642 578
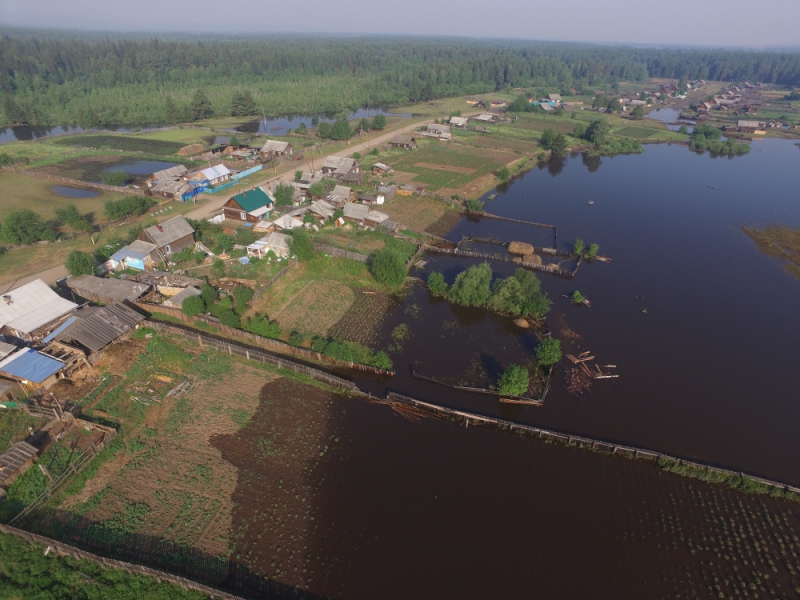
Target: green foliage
577 297
793 95
597 132
324 130
80 263
473 286
208 293
317 189
437 285
201 106
230 318
514 381
301 245
707 137
579 131
115 177
638 112
341 130
548 352
193 306
547 137
283 193
241 298
243 105
374 152
261 325
504 174
708 132
357 155
128 206
559 144
474 205
218 269
379 122
70 215
577 247
298 175
356 353
388 267
592 250
296 338
25 227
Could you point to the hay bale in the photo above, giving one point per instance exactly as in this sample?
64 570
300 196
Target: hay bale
191 149
522 323
531 259
520 248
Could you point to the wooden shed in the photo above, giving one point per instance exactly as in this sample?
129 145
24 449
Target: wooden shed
106 290
15 461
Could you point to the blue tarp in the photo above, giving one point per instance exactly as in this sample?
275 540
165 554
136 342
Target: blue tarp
66 324
126 252
31 365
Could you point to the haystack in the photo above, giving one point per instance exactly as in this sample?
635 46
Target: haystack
522 323
520 248
191 149
531 259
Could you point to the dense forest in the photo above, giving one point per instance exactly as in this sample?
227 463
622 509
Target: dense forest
48 79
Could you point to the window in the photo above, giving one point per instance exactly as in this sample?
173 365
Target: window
167 249
243 216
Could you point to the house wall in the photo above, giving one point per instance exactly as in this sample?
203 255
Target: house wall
235 214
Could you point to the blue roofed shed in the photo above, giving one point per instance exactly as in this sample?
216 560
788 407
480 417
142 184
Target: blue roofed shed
30 365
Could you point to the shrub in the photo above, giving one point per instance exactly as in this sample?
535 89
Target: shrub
113 177
548 352
474 205
80 263
317 189
193 306
70 215
301 245
225 302
241 298
577 297
473 286
261 325
381 360
25 227
208 293
218 269
230 318
318 344
357 155
437 285
577 247
592 251
296 338
504 174
514 381
388 267
379 122
283 194
129 206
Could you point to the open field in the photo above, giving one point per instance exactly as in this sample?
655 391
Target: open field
636 132
19 191
418 212
315 308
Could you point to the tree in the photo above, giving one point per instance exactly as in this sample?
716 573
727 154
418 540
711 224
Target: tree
364 126
171 110
208 293
131 205
388 267
71 216
234 141
507 297
324 130
437 285
597 131
117 178
298 175
80 263
473 286
514 381
317 189
577 247
474 206
193 306
504 174
301 244
243 105
25 227
218 269
638 112
283 194
592 251
614 105
12 110
577 297
379 122
241 299
559 144
548 135
230 319
579 131
201 106
341 130
548 352
683 129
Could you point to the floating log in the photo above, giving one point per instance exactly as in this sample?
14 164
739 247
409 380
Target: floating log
605 376
580 360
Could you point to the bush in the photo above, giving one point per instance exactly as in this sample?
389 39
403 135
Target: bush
577 247
116 178
261 325
317 189
25 227
230 318
388 267
193 306
504 174
225 302
283 194
241 298
80 263
301 245
548 352
379 122
577 297
128 206
70 215
437 285
296 338
318 344
208 293
218 269
514 381
474 205
592 251
473 286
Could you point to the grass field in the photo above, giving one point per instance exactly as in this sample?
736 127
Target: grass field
127 143
418 212
635 132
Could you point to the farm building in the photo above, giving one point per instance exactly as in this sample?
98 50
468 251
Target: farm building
173 189
355 213
33 310
339 166
339 196
213 175
32 369
173 235
404 141
387 191
375 218
15 461
405 190
97 326
138 255
380 168
442 132
372 199
287 222
750 127
175 172
99 289
273 148
277 243
458 121
250 206
177 300
553 98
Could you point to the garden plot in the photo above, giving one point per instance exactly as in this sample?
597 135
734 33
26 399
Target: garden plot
363 320
417 212
317 307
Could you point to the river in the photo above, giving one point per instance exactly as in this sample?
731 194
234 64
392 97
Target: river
701 326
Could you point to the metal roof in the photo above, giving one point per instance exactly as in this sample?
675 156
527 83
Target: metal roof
61 328
30 365
355 211
172 172
169 231
377 216
31 306
6 349
216 172
177 299
274 146
288 222
251 200
138 249
106 290
102 326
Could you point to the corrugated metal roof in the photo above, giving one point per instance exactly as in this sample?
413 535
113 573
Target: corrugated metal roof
61 328
12 459
251 200
274 146
288 222
138 249
339 164
177 171
106 290
31 365
102 326
27 308
216 172
6 349
355 211
169 231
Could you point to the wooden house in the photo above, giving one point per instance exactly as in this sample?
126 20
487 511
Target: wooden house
747 126
95 327
339 195
106 290
215 175
34 370
176 172
459 121
33 310
407 142
355 213
340 166
173 235
272 149
375 218
250 206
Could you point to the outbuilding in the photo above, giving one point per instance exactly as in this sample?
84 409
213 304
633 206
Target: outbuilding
31 311
355 213
106 290
139 255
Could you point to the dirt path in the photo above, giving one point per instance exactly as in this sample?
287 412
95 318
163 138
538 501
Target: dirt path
49 276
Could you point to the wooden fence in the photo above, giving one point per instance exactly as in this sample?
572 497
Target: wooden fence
282 273
262 353
77 182
516 261
339 253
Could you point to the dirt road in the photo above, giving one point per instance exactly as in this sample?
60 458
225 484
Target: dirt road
49 276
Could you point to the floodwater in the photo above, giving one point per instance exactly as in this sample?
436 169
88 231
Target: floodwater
73 192
701 326
35 132
671 117
279 125
143 167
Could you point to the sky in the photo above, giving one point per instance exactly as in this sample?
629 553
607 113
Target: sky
761 23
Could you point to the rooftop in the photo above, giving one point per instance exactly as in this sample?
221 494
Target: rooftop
30 365
339 164
254 199
215 172
102 326
169 231
31 306
355 211
274 146
171 173
90 286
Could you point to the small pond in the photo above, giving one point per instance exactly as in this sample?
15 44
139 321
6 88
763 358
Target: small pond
142 168
279 125
73 192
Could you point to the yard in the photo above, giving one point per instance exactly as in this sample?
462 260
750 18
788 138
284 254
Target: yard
421 213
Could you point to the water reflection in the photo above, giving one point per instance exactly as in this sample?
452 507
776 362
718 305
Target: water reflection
279 125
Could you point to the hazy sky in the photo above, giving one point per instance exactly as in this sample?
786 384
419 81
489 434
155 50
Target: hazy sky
709 22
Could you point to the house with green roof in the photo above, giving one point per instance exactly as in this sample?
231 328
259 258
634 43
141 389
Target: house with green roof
251 206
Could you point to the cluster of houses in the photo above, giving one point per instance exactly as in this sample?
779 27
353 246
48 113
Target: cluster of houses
740 99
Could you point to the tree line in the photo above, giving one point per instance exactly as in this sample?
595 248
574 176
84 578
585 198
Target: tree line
48 79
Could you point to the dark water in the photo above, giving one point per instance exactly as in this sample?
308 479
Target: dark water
143 167
671 117
73 192
708 372
279 125
32 132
